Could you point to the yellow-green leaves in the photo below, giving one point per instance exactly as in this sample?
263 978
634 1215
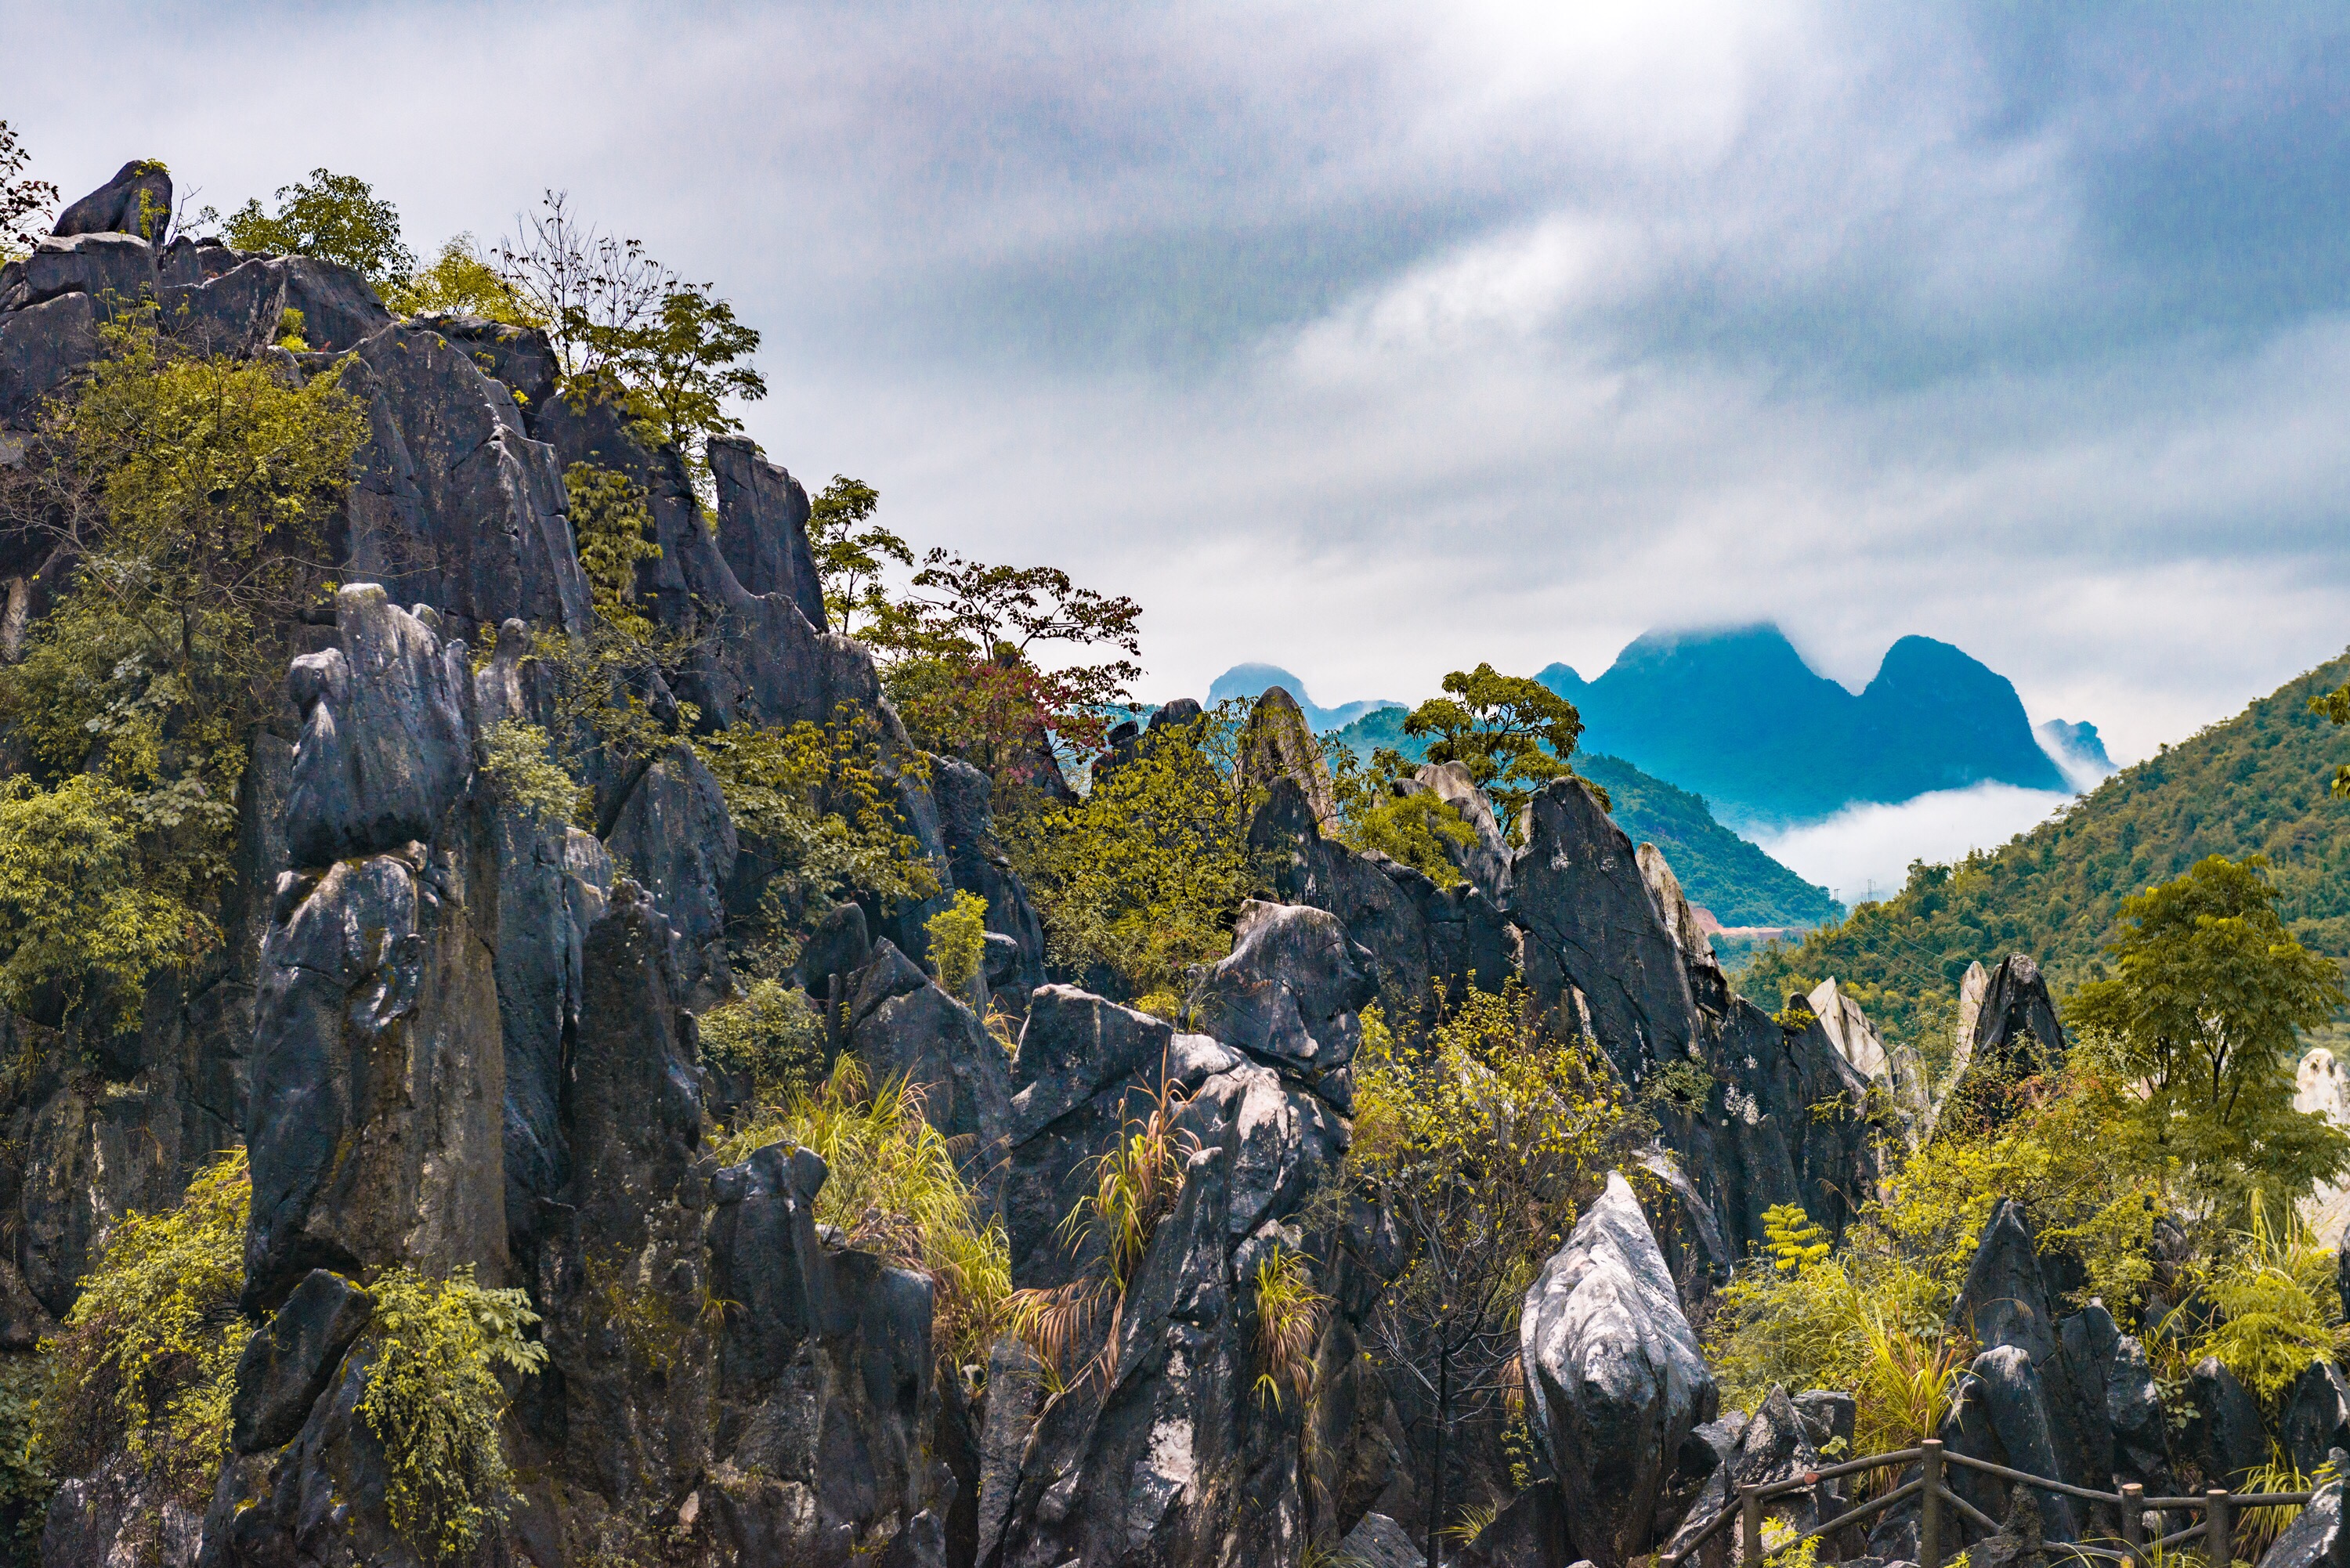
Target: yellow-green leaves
896 1189
433 1399
517 758
2278 1304
959 942
1796 1239
1289 1316
771 1033
148 1355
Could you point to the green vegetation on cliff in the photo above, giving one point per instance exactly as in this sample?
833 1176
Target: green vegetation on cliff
2256 784
1733 879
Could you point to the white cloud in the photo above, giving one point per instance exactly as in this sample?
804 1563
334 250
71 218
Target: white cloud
1864 851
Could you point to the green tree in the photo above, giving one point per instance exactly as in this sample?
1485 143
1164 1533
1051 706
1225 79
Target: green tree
25 203
333 217
1482 1143
1146 876
2336 707
590 290
461 281
1378 809
1514 734
683 363
850 548
2201 1012
145 1361
191 495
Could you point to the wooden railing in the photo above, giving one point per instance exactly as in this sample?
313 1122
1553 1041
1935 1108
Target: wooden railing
2216 1529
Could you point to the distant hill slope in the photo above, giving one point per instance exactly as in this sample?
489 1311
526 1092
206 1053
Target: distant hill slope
1735 880
2256 782
1251 681
1738 717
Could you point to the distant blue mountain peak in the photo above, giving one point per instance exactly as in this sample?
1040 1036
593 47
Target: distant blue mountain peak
1252 682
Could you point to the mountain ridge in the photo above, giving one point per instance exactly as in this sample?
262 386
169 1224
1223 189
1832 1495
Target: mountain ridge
1736 716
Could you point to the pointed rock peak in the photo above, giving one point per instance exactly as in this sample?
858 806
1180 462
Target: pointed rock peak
1673 907
1848 1030
1278 744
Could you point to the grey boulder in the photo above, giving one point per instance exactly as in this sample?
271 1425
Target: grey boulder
1616 1378
137 201
1288 993
291 1359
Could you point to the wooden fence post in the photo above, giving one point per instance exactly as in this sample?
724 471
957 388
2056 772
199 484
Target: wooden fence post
2134 1523
1929 1504
2219 1536
1750 1528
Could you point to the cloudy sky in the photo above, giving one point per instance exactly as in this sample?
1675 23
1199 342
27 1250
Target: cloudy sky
1374 340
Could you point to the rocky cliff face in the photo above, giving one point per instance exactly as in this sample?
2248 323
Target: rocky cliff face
453 1035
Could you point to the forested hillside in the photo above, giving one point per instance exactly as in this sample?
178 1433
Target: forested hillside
1733 879
2254 785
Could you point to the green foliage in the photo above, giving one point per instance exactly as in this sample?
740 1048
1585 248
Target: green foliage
1870 1316
1796 1239
684 362
461 281
25 1481
850 548
896 1189
80 917
2253 786
191 495
1514 734
2334 708
1146 876
959 942
146 1358
2278 1307
333 217
1483 1141
770 1033
433 1399
516 759
1377 810
2201 1014
611 522
25 203
1289 1316
819 801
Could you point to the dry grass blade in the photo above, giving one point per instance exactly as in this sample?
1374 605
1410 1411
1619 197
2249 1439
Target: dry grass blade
1289 1316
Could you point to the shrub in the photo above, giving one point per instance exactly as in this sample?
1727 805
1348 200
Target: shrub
517 759
146 1358
959 942
2279 1308
433 1399
897 1189
770 1033
1289 1316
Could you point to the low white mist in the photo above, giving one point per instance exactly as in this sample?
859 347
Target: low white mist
1864 851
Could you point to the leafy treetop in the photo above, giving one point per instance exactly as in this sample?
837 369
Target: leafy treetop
1513 733
850 548
333 217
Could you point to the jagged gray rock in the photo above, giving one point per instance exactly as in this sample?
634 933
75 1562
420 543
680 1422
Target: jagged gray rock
1486 862
1379 1541
1616 1378
1288 994
137 201
41 348
675 835
2316 1415
386 745
1596 948
763 517
1085 1066
900 1023
967 824
2316 1538
290 1360
1276 742
453 503
116 271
